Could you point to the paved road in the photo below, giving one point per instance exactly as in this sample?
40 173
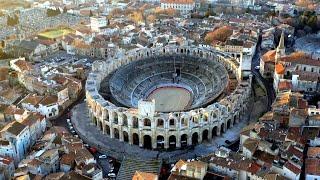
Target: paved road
269 87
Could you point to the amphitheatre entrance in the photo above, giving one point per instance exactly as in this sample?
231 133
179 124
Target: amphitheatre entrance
170 99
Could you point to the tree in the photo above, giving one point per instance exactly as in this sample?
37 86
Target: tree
12 21
220 34
53 12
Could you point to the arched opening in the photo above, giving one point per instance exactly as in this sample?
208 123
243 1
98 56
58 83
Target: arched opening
115 118
222 128
160 123
107 115
135 139
171 122
228 123
135 122
160 142
205 118
184 140
107 130
172 142
205 134
125 136
100 125
94 120
214 131
116 133
147 122
124 120
147 143
234 119
195 138
184 122
214 115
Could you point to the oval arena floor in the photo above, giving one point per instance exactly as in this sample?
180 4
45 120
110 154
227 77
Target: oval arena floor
170 99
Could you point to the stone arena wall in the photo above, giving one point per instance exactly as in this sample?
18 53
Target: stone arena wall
166 130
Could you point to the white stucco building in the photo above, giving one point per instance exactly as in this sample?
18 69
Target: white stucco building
183 6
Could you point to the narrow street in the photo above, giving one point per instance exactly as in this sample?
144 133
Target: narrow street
256 62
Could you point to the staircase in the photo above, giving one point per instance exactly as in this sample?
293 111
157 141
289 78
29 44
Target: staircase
129 166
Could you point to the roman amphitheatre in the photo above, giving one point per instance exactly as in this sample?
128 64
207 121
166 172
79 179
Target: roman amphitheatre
167 98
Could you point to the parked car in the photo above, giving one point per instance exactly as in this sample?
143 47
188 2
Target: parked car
68 120
257 67
103 156
112 175
227 142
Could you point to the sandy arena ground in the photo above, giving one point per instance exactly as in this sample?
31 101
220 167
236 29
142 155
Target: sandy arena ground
170 99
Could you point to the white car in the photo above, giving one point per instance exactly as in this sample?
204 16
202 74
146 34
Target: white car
103 156
68 120
257 67
112 175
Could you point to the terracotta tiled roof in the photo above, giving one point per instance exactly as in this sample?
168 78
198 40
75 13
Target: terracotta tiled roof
312 166
67 159
293 168
284 85
144 176
49 100
32 99
313 152
23 65
279 69
11 110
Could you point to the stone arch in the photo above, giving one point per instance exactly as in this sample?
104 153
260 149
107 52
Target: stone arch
195 137
160 142
147 142
228 123
172 122
184 140
222 130
135 122
94 120
107 130
107 115
135 139
205 118
160 123
215 131
172 142
195 120
100 125
147 122
125 136
205 135
184 121
115 117
116 133
124 120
